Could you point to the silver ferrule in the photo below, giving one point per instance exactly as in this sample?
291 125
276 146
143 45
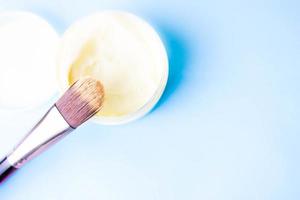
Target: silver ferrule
49 130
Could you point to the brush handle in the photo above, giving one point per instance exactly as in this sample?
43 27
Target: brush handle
49 130
6 169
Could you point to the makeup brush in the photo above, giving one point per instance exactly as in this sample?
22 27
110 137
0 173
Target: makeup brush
79 103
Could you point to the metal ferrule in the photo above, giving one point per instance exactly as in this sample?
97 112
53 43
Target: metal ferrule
49 130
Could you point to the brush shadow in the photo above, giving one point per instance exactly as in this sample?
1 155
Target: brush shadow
179 55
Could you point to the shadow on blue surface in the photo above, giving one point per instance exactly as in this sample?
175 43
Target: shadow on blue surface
178 50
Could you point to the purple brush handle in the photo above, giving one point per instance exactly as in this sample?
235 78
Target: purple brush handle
49 130
6 169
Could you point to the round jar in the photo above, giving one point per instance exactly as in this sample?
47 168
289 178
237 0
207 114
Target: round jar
123 52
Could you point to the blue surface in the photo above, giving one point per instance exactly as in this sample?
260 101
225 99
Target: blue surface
227 127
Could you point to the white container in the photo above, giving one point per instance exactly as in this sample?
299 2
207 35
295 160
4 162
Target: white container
108 36
118 48
28 53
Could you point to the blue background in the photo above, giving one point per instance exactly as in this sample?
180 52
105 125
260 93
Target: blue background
226 128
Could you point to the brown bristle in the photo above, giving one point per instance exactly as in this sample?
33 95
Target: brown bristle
81 101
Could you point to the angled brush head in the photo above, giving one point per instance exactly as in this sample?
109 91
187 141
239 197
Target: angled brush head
81 101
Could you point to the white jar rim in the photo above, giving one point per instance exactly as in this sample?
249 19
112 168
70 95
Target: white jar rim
63 75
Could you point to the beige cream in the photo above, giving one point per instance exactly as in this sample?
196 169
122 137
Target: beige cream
120 50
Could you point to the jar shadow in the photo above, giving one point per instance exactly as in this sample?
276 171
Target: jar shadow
179 51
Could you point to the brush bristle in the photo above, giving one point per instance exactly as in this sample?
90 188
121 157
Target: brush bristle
81 101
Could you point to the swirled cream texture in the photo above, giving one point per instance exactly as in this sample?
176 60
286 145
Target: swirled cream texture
121 51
